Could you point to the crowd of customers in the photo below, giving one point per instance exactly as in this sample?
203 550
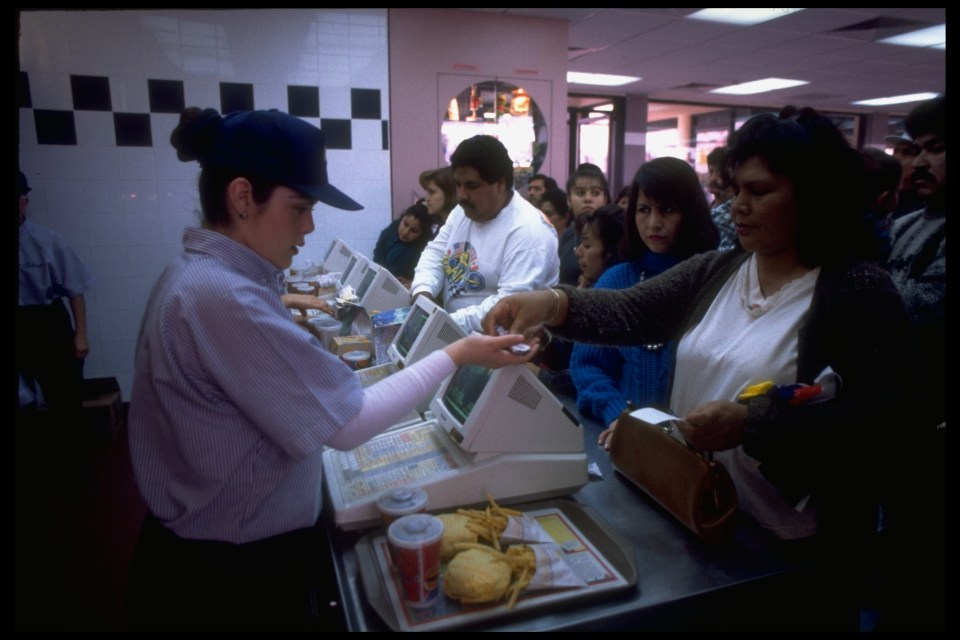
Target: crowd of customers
803 272
805 298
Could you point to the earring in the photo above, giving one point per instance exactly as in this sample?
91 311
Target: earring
243 214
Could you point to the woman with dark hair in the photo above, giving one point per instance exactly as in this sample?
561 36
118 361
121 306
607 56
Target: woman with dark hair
720 187
233 403
600 232
587 189
623 197
441 196
793 309
670 222
554 205
402 241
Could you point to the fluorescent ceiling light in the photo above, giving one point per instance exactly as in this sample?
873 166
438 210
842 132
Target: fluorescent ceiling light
912 97
603 107
741 16
602 79
929 37
759 86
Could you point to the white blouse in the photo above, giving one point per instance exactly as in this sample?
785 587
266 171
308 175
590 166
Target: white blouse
746 338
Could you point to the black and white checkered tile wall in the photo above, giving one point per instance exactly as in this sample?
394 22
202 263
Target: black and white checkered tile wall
92 93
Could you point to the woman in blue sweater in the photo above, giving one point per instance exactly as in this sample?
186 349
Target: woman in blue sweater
670 222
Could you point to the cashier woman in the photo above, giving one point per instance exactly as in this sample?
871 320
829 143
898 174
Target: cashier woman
233 403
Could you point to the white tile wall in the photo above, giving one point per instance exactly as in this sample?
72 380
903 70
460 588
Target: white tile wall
124 209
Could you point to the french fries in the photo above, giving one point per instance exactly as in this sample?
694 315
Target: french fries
489 523
523 562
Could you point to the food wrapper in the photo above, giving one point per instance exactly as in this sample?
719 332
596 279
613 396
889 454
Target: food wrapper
347 295
328 280
553 570
523 529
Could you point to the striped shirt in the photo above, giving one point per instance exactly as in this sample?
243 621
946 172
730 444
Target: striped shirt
232 401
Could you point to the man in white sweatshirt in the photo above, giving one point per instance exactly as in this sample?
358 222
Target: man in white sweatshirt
494 242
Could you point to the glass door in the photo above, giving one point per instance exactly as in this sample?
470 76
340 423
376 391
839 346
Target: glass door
596 135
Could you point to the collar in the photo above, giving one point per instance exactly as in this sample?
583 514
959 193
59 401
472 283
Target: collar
242 259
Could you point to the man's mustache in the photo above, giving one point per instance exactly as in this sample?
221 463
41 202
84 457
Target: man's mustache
921 175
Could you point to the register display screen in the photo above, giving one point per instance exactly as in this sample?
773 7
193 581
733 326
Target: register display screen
411 329
329 250
464 390
365 283
350 266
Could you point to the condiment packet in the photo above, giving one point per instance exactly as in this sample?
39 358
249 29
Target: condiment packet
553 570
523 529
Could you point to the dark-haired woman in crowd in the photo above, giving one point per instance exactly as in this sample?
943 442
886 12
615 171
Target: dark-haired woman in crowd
441 196
670 222
233 403
402 241
600 233
794 306
587 190
623 197
554 205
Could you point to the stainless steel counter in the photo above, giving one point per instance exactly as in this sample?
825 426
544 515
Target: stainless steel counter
683 584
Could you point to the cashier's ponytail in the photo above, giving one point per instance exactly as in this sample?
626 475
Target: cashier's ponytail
195 138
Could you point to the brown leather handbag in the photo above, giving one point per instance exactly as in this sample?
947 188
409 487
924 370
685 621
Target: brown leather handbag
697 490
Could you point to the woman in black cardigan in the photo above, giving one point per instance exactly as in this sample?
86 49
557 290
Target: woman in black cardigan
793 305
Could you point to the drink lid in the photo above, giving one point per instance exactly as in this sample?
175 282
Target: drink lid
356 356
415 530
402 501
325 321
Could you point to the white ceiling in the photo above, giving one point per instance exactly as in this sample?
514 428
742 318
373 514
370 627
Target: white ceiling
680 59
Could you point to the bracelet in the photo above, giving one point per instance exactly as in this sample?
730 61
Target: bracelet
556 305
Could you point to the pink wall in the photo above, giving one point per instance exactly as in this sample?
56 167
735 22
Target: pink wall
430 47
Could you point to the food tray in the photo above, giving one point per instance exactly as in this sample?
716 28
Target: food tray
601 556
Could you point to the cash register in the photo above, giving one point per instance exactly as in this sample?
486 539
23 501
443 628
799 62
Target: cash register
426 328
488 431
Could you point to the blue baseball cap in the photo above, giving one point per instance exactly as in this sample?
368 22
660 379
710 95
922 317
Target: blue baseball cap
279 147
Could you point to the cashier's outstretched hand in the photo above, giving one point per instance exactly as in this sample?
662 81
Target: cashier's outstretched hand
524 312
303 301
714 426
489 351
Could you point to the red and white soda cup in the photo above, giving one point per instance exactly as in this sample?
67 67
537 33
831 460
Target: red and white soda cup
414 542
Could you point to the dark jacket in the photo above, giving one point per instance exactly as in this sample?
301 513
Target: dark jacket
398 257
839 450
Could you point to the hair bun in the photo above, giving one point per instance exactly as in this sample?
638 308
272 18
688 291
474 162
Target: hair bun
197 132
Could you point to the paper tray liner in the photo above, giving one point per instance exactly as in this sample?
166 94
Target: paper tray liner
581 531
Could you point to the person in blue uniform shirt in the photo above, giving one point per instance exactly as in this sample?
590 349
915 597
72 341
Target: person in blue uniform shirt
50 347
233 403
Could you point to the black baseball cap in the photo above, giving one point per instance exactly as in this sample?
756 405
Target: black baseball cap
279 147
929 117
897 139
22 185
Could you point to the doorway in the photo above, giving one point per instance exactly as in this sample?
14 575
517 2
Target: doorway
596 133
